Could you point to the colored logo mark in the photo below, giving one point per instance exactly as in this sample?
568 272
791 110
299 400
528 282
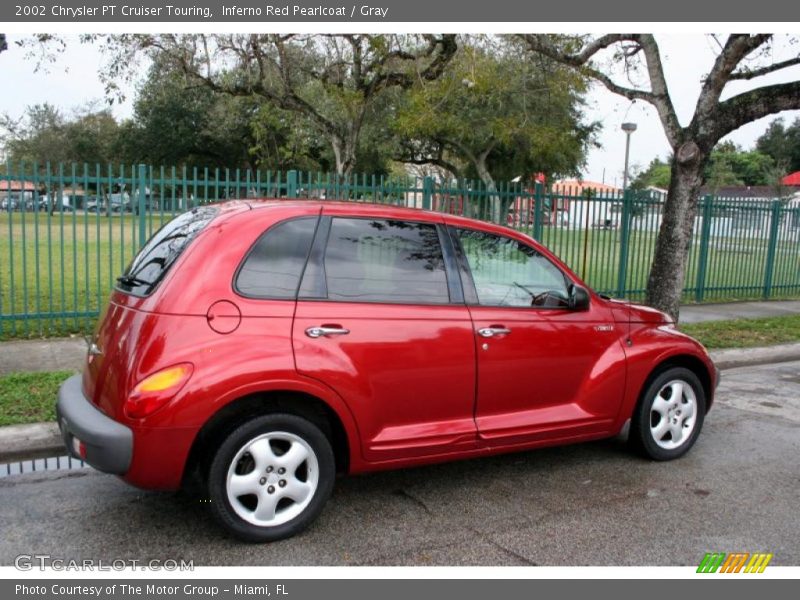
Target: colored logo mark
734 562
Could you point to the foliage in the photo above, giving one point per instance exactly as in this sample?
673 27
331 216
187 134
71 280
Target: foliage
177 122
782 143
496 113
44 134
332 81
657 174
730 165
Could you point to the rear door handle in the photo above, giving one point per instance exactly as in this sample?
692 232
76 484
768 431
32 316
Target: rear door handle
325 331
492 331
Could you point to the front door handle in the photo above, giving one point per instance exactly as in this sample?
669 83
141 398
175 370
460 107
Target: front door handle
324 331
492 331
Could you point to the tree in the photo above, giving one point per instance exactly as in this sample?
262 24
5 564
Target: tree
179 122
496 115
38 136
730 165
331 80
45 134
741 57
782 144
657 174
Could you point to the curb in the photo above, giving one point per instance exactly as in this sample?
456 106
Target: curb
41 440
26 442
735 358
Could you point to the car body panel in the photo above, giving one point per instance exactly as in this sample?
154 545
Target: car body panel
410 384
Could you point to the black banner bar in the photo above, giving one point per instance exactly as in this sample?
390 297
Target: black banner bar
333 589
376 11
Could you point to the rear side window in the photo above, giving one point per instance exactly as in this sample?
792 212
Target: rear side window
274 266
376 260
161 251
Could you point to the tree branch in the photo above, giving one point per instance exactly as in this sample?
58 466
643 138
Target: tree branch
747 74
755 104
736 48
658 96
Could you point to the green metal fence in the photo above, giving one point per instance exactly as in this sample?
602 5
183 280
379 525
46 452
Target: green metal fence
67 231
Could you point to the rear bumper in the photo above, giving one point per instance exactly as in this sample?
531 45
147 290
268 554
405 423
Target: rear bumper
108 444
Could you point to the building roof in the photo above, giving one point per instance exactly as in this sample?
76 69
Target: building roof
742 192
576 187
792 179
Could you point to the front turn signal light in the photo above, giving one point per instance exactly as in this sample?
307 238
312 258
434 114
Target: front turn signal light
156 390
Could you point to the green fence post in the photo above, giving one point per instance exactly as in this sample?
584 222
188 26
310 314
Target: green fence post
427 193
705 241
291 184
774 226
538 210
141 209
624 240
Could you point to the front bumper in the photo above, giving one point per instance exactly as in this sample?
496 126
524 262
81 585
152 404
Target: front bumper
108 444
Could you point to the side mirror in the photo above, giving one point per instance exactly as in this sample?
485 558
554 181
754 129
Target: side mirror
579 298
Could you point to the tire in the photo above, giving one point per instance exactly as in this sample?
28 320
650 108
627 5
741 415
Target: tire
287 462
664 427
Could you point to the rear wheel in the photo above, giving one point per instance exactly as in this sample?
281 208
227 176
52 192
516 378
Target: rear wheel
669 416
271 477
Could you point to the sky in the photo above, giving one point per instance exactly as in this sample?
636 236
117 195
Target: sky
73 81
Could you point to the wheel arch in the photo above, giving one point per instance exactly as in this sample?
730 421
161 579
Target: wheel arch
687 361
228 417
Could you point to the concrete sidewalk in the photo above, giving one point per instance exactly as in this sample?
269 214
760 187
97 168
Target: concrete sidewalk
68 354
701 313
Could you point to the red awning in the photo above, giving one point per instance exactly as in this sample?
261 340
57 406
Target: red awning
792 179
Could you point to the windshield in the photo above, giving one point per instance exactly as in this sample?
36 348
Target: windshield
156 257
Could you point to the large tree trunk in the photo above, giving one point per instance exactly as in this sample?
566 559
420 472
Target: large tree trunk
491 188
665 284
344 152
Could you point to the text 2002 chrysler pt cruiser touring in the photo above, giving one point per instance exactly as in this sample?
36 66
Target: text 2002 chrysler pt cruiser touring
267 346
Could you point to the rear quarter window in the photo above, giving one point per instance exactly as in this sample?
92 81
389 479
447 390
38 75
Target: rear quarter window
274 266
161 251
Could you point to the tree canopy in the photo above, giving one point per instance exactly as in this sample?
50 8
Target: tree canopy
782 144
495 115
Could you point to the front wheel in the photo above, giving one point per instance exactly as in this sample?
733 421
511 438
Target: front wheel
669 416
271 477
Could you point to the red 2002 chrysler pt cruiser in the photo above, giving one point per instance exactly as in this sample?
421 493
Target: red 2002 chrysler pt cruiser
266 346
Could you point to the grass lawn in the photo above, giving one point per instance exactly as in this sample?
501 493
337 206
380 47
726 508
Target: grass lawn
29 397
746 333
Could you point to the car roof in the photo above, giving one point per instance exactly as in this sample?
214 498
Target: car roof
353 207
345 206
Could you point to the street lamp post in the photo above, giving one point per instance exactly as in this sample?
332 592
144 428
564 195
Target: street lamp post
622 274
628 128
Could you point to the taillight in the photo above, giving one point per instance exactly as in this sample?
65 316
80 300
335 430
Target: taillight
155 391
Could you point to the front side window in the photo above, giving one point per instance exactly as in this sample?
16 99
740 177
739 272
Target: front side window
380 260
275 263
507 272
161 251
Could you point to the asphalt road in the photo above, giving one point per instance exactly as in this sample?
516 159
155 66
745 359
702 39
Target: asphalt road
590 504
